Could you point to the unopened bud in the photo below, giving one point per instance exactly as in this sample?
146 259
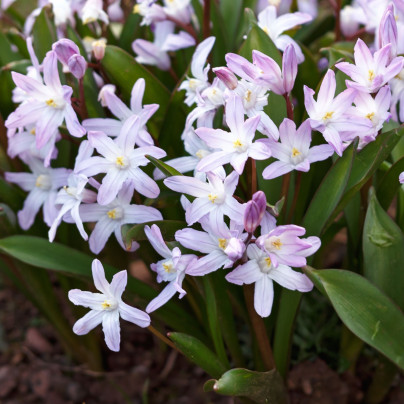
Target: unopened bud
254 211
107 88
65 49
234 249
77 66
387 33
99 48
227 77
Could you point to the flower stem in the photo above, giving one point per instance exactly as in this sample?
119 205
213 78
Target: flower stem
186 27
259 328
206 19
83 107
298 183
161 337
289 106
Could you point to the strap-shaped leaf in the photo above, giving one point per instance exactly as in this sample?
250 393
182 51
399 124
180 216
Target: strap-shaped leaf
329 193
383 251
364 309
198 353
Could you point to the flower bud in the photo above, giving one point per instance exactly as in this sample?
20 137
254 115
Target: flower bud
226 76
254 211
77 66
234 249
349 20
99 48
65 49
387 33
289 68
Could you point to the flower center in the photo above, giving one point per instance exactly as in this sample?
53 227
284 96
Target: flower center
370 115
110 304
51 102
328 115
295 152
240 147
273 243
44 182
371 75
222 243
201 153
121 162
193 84
169 267
265 265
115 214
136 9
33 131
212 198
266 30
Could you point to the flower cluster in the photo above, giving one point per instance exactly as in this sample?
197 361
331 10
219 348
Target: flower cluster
230 226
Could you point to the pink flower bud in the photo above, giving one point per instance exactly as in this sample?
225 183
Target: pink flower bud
226 76
65 49
254 211
235 249
387 33
99 48
77 66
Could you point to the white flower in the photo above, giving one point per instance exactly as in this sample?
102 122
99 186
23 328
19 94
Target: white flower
106 307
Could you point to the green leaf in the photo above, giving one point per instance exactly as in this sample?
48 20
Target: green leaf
6 54
213 319
383 251
198 353
366 162
136 232
164 167
365 310
44 33
388 185
262 387
231 10
329 193
123 70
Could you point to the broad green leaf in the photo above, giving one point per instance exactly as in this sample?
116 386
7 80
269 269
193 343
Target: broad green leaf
261 387
259 40
123 70
366 162
6 54
136 232
365 310
198 353
38 252
164 167
231 10
44 33
329 193
383 251
388 185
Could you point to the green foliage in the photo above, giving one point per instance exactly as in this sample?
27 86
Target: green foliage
364 309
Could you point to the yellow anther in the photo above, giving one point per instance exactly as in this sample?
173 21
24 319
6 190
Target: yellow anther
222 243
248 95
371 75
277 244
237 144
112 214
120 161
168 267
212 198
268 261
106 305
295 152
266 30
51 103
32 131
370 115
136 9
328 115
